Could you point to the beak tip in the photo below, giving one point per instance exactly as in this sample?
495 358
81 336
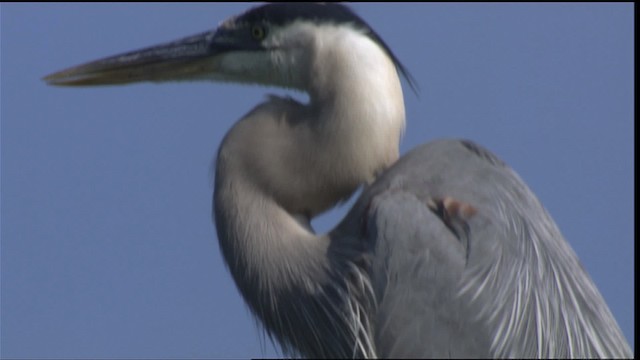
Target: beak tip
55 79
67 78
48 80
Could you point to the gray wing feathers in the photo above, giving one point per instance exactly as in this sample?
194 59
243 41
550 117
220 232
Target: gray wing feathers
416 292
509 287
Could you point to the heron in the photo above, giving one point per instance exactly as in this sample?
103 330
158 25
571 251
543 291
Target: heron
446 252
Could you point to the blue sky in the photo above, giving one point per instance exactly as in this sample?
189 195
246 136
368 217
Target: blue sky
108 249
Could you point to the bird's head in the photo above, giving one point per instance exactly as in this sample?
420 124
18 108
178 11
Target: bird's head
269 45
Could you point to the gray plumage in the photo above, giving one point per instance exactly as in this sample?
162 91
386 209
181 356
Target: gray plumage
446 253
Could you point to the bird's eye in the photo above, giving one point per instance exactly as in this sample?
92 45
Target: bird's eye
258 32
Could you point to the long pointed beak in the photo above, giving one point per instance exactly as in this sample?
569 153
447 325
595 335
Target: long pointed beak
184 59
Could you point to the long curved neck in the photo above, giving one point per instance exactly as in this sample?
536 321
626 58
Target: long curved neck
287 161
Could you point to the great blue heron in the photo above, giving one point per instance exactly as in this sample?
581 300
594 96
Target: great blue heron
446 252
